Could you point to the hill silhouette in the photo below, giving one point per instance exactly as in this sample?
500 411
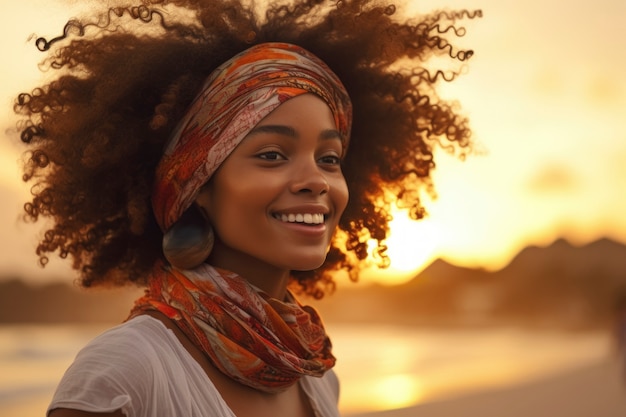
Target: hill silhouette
558 285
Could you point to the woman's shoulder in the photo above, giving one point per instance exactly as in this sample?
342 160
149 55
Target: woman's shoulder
136 341
131 353
140 329
143 346
137 367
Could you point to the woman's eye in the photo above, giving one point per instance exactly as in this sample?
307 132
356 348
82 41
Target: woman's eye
330 160
271 156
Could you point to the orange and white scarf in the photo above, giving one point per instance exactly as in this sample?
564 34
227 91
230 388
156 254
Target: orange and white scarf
257 340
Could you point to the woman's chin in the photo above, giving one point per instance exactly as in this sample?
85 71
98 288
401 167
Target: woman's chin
308 265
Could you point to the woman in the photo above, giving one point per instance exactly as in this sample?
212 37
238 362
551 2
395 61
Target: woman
246 199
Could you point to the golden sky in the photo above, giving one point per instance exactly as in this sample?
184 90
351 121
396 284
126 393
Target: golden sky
545 94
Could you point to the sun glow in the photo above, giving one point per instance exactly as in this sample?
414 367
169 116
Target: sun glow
391 391
411 246
397 391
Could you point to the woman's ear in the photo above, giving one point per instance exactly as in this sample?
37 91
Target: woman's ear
203 201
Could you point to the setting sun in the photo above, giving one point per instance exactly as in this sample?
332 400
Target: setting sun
411 246
411 243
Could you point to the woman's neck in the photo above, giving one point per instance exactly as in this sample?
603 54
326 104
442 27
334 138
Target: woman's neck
268 278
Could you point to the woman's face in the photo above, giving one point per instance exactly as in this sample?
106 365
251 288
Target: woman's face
278 197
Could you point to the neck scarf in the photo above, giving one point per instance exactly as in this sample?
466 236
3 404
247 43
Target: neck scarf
235 97
256 340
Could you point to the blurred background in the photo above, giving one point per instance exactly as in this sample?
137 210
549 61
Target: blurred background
508 296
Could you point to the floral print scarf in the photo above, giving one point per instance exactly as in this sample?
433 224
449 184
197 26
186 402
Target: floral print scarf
257 340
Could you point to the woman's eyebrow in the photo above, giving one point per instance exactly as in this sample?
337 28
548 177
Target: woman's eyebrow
291 132
331 134
277 129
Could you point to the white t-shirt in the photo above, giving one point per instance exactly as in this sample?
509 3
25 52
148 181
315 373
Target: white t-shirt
142 368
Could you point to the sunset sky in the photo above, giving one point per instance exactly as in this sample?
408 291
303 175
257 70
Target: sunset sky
546 97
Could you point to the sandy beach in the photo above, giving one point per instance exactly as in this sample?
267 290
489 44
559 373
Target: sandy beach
595 390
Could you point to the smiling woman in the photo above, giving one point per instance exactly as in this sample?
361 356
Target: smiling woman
210 161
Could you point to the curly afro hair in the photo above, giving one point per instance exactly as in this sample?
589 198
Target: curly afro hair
123 78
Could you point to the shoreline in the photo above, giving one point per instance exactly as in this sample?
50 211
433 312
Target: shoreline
597 389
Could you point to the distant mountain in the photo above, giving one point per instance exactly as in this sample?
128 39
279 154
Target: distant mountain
568 283
604 255
558 285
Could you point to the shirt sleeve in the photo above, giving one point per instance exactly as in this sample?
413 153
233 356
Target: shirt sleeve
108 374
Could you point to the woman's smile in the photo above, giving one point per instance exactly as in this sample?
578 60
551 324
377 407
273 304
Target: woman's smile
312 215
306 218
308 226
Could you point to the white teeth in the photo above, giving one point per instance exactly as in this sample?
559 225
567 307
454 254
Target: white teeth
307 218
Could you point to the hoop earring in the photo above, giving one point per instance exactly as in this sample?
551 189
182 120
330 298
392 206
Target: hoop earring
189 241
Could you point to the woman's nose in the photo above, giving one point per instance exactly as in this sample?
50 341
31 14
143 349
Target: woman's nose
309 178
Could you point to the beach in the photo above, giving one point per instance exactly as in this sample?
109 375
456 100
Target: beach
593 390
388 371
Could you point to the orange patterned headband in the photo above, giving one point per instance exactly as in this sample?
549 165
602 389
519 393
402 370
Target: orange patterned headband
235 97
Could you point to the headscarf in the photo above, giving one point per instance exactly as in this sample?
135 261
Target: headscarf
235 97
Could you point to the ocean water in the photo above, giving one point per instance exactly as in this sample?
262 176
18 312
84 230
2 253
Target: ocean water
380 367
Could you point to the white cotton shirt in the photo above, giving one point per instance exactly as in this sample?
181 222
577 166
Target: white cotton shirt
142 368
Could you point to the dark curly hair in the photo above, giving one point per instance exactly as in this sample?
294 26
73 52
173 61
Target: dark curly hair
96 131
